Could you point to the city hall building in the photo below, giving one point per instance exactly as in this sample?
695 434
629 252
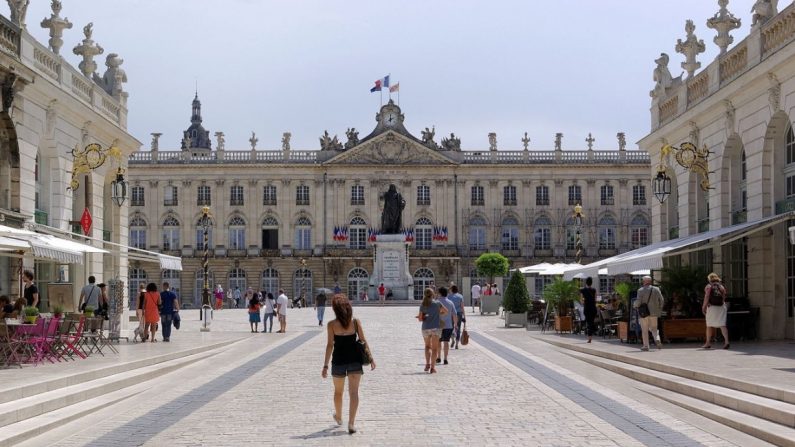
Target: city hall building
304 219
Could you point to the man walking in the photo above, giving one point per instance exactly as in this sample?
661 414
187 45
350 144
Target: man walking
458 301
449 321
651 296
237 297
169 306
281 311
320 307
381 294
475 295
89 296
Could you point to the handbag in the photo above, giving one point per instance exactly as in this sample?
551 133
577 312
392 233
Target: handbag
643 309
176 320
465 336
361 346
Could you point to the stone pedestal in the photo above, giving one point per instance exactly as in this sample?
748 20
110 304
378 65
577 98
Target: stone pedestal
392 267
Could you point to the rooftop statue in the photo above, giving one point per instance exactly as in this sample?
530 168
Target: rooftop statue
19 8
525 141
253 141
427 137
329 144
286 141
690 47
451 144
391 218
662 77
763 10
56 25
723 21
353 138
88 49
492 141
114 76
220 141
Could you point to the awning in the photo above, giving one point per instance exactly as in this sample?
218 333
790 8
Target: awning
11 244
557 269
46 246
534 268
651 256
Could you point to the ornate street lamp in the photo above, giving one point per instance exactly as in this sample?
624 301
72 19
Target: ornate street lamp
118 188
206 308
303 279
578 215
661 184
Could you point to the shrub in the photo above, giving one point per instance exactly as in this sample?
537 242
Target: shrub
31 311
516 298
561 294
491 265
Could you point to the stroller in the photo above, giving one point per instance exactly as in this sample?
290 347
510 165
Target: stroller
296 302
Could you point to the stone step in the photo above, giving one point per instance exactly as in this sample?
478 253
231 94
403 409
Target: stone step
41 403
757 389
750 404
32 389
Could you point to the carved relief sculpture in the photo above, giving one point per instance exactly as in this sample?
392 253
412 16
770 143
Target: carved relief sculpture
56 25
88 49
723 22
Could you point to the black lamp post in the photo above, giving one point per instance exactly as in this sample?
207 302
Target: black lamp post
578 226
205 224
118 188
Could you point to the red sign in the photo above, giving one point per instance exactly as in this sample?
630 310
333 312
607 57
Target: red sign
85 221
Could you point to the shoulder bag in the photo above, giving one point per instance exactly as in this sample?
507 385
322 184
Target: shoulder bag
643 309
464 336
361 346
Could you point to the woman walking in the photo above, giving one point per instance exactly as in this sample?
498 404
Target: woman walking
714 307
253 313
270 310
151 309
346 361
588 299
430 314
139 312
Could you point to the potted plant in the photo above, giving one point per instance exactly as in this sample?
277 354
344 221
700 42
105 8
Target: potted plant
624 289
57 311
516 301
89 311
560 294
31 314
491 265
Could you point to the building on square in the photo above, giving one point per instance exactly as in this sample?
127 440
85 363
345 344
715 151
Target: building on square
740 107
274 209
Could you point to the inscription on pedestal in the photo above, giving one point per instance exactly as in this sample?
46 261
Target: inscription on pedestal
392 266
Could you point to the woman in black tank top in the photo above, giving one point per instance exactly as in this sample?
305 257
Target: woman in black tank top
342 349
588 298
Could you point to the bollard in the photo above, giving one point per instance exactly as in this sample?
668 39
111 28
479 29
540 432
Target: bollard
207 316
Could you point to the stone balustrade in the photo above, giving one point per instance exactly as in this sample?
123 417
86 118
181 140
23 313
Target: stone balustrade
9 37
697 88
733 63
779 31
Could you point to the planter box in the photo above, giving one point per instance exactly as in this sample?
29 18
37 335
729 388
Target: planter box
490 303
515 319
563 324
624 335
684 328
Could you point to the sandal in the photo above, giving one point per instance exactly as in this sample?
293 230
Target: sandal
433 370
726 346
338 421
427 368
706 347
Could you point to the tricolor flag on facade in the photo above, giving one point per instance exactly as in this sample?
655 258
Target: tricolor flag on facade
380 83
394 88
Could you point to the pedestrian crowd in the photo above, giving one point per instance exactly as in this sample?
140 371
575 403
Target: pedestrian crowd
441 314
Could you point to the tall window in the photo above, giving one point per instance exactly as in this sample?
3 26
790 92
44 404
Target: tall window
357 195
509 195
170 234
575 195
423 195
270 282
510 234
639 231
236 195
423 234
302 284
270 234
203 196
606 285
302 195
237 233
607 233
743 185
477 233
477 196
138 233
423 278
358 281
789 171
542 195
607 195
269 195
170 196
200 235
173 279
790 274
303 234
136 277
571 234
638 195
542 233
237 280
358 234
137 196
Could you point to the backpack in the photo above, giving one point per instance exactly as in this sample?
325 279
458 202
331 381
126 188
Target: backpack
715 296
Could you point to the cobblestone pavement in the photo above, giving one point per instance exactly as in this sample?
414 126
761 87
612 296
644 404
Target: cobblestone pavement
267 390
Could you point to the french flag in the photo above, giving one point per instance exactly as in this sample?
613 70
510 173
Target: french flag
380 83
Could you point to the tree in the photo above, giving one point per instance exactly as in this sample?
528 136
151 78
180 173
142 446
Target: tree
561 294
516 299
491 265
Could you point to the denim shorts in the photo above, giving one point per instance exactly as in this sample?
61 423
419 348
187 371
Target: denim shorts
344 369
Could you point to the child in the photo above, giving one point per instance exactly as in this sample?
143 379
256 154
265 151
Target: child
270 306
253 313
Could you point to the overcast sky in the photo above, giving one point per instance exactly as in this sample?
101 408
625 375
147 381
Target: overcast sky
469 67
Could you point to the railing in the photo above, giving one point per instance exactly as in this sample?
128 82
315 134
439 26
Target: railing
511 253
697 88
733 63
785 206
203 202
778 31
542 202
610 201
270 252
673 232
236 253
47 63
509 202
304 202
740 216
346 252
269 202
9 37
703 225
82 89
359 202
137 202
236 202
669 109
423 202
170 202
41 217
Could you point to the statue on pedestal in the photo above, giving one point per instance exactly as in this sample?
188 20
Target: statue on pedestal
391 218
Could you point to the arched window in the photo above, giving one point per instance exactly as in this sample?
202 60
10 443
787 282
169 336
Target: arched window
423 278
639 231
607 233
237 233
170 234
789 169
510 233
237 280
135 278
542 233
423 234
270 233
199 288
302 284
303 234
138 232
357 234
200 235
358 282
477 233
270 282
173 279
37 179
571 234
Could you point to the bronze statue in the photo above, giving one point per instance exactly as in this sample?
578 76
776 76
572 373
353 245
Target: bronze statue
391 218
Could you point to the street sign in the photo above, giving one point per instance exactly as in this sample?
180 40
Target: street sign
85 221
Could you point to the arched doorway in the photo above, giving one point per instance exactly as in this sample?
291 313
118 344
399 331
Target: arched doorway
358 282
423 278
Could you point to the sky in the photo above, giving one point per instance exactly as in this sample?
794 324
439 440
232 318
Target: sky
464 66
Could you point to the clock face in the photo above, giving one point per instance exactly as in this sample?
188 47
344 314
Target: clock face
390 119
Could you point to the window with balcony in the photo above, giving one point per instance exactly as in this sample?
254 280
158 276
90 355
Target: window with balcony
638 195
607 233
423 234
542 233
170 234
477 233
303 234
575 195
357 234
510 234
639 231
170 196
236 195
237 233
607 195
423 195
509 195
357 195
203 196
137 196
477 196
269 195
200 235
302 195
542 195
270 233
138 232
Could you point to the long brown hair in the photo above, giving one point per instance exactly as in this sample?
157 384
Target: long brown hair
427 297
342 309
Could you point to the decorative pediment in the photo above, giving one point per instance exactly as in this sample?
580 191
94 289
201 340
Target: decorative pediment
393 149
